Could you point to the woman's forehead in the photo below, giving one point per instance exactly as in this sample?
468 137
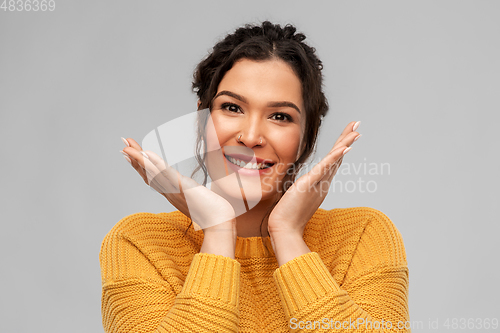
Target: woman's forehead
269 80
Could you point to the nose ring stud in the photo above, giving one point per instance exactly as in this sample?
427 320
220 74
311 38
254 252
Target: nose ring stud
239 137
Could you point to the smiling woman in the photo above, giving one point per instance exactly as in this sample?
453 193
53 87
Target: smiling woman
262 256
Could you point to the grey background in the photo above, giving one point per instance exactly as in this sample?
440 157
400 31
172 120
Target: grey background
422 76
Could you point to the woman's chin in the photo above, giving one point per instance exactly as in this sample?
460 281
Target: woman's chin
250 191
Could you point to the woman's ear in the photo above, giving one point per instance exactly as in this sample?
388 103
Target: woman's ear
199 103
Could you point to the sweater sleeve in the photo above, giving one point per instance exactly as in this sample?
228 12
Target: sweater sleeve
373 295
136 298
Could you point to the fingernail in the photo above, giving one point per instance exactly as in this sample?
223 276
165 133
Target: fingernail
124 153
357 137
126 142
355 127
346 150
144 154
128 159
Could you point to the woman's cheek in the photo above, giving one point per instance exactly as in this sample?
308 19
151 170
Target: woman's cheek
221 129
215 133
288 145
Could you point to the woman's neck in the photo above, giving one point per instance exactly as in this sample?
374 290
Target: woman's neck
251 223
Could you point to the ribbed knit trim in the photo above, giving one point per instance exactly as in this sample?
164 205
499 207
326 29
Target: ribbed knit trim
206 273
247 247
303 280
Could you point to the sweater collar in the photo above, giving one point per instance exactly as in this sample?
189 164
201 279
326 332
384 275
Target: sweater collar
247 247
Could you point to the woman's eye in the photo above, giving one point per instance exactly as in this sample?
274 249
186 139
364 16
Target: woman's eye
282 117
230 107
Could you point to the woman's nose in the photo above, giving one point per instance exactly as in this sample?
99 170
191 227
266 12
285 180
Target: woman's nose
251 134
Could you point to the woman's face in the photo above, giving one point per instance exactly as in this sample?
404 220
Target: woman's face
262 102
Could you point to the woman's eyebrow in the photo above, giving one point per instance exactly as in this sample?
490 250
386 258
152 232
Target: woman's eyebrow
231 94
282 104
270 104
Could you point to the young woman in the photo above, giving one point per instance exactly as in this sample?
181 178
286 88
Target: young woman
277 262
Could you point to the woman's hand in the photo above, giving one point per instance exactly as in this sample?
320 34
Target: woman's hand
205 208
289 217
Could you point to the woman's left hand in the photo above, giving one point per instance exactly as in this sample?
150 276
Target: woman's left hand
299 203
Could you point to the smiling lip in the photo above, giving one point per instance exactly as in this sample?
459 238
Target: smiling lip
246 158
245 171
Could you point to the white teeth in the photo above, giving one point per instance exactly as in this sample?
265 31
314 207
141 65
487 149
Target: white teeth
241 164
248 165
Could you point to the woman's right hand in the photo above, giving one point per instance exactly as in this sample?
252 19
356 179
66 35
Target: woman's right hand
208 210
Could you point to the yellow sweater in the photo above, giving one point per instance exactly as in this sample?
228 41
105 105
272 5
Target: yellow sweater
155 280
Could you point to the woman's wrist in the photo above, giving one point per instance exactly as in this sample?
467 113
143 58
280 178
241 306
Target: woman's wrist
220 239
288 245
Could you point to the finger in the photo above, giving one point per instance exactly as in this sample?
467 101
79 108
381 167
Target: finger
149 173
348 140
133 163
331 163
347 130
322 169
158 181
137 161
159 168
183 182
133 144
137 156
333 170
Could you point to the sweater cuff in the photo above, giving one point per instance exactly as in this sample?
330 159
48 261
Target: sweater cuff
303 280
213 276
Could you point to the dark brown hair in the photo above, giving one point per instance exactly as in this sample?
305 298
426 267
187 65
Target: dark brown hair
266 41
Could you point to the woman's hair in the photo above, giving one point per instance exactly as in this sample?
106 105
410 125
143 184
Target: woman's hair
263 42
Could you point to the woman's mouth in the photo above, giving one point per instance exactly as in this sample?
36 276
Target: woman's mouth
248 165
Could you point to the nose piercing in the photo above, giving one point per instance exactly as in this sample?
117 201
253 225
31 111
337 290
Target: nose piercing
239 137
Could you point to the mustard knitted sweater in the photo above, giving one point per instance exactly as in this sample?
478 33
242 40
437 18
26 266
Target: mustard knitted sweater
155 280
